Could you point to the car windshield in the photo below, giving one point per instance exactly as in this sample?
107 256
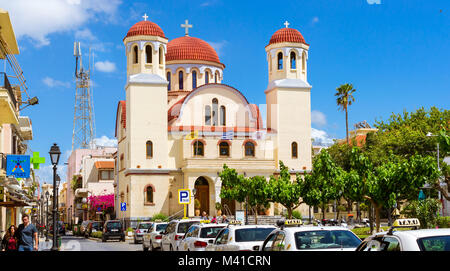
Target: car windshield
326 239
114 225
183 227
96 225
252 234
144 226
161 227
435 243
210 232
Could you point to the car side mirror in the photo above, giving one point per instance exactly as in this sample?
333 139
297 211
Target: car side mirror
256 248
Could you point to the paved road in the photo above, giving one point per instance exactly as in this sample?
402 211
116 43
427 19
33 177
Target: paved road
77 243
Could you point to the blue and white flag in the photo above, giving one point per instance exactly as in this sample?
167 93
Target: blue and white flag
228 135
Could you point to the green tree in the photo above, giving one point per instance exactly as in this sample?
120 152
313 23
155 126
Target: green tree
425 210
344 99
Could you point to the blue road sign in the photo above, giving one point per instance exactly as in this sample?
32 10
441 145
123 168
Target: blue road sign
123 206
184 196
18 166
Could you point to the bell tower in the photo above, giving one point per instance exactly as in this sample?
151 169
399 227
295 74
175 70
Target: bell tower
288 98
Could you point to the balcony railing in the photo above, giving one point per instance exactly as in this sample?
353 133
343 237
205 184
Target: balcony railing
4 82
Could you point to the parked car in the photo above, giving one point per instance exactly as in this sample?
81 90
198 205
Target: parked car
198 236
113 229
152 239
83 226
141 229
174 232
93 226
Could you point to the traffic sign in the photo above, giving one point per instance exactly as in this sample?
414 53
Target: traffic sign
123 206
184 196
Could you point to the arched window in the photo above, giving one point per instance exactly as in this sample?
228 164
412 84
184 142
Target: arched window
161 56
180 80
293 61
304 62
215 112
135 55
149 149
216 77
168 80
280 60
148 53
206 77
198 148
294 150
207 115
249 149
194 79
223 116
224 149
149 194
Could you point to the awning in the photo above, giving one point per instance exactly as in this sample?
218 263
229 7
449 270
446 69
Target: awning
104 164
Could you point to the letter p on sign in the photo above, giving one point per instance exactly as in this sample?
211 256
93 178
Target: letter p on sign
184 196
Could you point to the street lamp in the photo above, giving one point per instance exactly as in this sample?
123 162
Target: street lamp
54 157
429 134
47 195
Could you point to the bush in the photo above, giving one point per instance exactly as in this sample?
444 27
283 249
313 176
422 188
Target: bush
160 216
296 215
443 221
424 210
97 234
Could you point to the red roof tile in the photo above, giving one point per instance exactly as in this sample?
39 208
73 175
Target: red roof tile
190 48
287 35
145 28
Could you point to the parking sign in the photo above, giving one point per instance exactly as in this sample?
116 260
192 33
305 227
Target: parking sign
123 206
184 196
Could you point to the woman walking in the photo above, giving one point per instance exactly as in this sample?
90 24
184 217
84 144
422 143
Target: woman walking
9 242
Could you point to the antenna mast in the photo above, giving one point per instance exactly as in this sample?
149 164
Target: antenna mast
83 121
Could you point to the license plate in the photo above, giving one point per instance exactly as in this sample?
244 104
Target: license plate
114 230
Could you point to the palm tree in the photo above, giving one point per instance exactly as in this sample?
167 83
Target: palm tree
344 99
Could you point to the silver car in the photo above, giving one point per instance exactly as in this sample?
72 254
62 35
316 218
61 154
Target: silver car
140 231
152 239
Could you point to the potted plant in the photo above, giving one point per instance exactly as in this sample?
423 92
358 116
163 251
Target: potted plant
219 208
197 207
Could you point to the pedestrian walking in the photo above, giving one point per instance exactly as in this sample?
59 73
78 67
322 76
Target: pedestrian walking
204 216
27 235
9 242
214 220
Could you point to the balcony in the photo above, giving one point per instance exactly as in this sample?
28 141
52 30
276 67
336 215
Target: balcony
8 102
26 130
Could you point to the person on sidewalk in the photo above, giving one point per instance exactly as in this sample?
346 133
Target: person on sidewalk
204 216
27 235
225 219
9 242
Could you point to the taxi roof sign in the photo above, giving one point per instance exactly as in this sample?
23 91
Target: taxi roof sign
405 223
293 222
235 222
205 221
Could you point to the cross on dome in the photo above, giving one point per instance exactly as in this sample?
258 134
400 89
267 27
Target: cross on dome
286 24
186 26
145 17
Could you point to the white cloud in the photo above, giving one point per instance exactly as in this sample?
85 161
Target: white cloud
321 138
315 20
218 46
38 19
52 83
84 34
105 66
45 173
318 118
105 141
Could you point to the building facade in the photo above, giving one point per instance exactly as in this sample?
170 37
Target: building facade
180 123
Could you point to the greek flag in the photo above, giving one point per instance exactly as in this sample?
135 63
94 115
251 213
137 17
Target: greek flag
228 135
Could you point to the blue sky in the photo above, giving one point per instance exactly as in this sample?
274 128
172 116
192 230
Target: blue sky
395 53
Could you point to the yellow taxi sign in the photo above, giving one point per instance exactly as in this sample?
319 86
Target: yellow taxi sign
205 221
235 222
293 222
157 220
406 222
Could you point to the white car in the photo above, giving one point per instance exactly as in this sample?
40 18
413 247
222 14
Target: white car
152 239
240 238
175 232
199 236
140 231
408 240
290 236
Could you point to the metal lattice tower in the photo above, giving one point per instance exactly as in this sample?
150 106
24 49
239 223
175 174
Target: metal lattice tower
83 121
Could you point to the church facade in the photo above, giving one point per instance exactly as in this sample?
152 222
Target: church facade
179 123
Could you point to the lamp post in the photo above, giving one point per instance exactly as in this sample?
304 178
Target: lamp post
47 195
429 134
54 156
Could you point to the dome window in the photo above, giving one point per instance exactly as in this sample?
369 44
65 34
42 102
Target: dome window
180 80
148 54
280 61
161 56
135 55
206 77
168 80
194 79
293 61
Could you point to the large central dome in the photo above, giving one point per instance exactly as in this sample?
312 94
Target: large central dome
190 48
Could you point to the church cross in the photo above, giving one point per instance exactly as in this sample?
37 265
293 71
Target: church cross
286 24
36 160
145 17
186 26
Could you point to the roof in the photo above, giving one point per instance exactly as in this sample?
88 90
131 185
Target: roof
146 28
423 233
8 32
287 35
104 164
191 48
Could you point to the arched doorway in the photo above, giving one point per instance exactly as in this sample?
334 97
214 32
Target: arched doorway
202 194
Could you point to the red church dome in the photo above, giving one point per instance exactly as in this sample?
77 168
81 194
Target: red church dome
287 35
190 48
145 28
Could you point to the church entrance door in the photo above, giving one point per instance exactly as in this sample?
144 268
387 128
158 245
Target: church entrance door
202 195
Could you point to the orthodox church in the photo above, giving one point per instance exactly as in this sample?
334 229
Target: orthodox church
179 123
